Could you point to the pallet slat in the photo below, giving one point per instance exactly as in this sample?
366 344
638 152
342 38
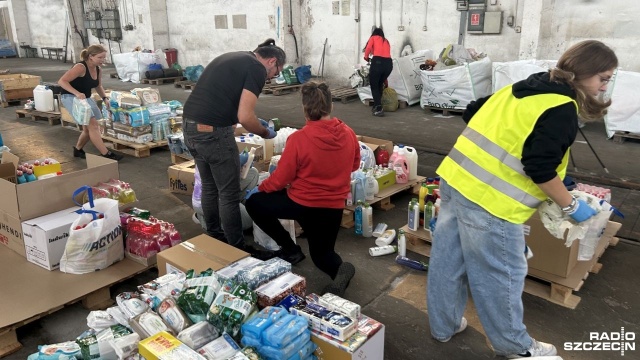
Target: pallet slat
186 84
279 89
53 117
445 112
621 136
344 94
134 149
160 81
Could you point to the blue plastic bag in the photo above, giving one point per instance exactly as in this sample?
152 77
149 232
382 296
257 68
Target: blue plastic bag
154 66
303 73
192 73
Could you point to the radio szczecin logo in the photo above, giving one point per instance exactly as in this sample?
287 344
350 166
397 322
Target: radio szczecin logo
605 341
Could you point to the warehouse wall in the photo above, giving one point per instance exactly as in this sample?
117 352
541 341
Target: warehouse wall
203 29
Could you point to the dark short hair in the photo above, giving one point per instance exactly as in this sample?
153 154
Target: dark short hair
268 49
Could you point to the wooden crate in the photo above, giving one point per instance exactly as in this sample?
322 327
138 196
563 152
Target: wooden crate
556 289
382 200
186 84
19 81
160 81
53 117
280 89
134 149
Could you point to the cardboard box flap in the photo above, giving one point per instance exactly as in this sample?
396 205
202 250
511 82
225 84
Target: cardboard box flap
8 157
209 248
374 143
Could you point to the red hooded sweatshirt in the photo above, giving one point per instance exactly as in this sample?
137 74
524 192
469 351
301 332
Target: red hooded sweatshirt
317 163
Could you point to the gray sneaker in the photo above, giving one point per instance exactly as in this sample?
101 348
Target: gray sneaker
538 348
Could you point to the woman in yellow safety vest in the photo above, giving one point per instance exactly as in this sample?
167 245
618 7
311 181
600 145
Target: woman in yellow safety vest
511 157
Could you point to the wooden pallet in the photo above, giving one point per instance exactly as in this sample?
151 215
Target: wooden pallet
14 102
180 158
53 117
344 94
382 200
620 136
133 149
97 300
445 112
160 81
280 89
556 289
186 84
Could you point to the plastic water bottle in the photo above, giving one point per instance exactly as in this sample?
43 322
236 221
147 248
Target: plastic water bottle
358 218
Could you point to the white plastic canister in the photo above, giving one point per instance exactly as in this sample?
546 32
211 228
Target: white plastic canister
43 98
412 159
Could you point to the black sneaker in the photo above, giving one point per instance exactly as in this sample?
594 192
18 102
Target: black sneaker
113 156
346 271
79 153
292 256
378 112
259 254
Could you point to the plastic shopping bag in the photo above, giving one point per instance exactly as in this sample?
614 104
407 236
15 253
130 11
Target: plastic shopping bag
81 111
95 238
264 240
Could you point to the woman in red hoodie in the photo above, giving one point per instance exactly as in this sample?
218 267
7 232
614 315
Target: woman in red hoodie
310 185
381 66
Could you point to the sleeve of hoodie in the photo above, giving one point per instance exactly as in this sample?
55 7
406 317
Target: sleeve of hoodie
547 144
473 108
286 170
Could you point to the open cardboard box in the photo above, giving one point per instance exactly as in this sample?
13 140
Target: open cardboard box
33 199
550 255
372 349
182 177
374 143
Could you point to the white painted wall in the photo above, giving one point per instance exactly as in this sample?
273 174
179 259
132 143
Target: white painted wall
548 28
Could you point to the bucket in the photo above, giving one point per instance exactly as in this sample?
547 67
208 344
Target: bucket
412 159
43 97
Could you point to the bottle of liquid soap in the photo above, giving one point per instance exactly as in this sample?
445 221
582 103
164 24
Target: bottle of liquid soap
358 218
382 250
402 243
414 215
370 187
367 221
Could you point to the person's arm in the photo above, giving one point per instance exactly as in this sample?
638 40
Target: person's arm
286 171
556 191
247 115
368 49
76 71
101 92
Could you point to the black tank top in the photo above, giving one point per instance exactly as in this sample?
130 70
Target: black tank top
86 83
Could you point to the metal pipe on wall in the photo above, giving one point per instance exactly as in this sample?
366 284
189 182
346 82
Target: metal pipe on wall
357 20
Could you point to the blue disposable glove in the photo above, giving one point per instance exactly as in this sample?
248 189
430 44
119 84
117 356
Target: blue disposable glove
244 156
272 133
582 212
251 192
264 122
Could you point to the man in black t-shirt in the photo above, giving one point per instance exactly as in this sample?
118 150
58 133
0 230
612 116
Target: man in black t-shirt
226 94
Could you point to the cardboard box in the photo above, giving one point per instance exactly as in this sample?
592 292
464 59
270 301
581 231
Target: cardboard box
268 150
45 237
372 349
164 346
8 167
386 180
259 155
22 202
150 261
374 144
549 253
182 177
199 253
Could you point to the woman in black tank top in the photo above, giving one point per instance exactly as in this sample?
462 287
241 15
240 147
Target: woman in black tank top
78 82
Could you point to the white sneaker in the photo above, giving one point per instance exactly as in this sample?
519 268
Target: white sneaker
194 217
463 325
538 348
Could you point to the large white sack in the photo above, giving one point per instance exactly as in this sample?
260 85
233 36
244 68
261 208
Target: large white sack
455 88
624 112
132 66
405 78
364 93
507 73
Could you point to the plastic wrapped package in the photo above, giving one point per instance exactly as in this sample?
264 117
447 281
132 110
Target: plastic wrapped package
343 306
95 345
256 325
230 272
81 111
148 324
220 349
65 350
232 305
284 331
171 313
163 287
247 353
262 273
127 100
290 300
287 350
145 138
328 322
125 346
277 289
131 304
304 352
99 320
166 347
131 130
118 315
147 96
200 291
198 335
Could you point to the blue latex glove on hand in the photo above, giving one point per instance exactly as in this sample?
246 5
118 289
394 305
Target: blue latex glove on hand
251 192
264 123
272 133
244 156
582 212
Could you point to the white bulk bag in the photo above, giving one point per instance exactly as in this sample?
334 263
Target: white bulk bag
456 87
132 66
405 78
624 112
506 73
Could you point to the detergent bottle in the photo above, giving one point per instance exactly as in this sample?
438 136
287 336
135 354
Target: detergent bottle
393 156
412 159
401 167
382 158
358 218
424 191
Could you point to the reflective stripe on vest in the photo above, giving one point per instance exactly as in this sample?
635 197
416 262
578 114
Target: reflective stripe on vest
485 163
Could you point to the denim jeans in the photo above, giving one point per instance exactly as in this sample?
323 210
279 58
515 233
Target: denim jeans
473 248
216 155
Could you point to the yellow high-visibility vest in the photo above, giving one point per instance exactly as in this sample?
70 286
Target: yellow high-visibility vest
485 163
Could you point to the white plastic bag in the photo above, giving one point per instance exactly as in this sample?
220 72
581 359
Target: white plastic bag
98 244
624 112
367 156
264 240
81 111
455 88
506 73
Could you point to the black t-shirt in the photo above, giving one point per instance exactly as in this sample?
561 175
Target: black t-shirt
215 99
86 83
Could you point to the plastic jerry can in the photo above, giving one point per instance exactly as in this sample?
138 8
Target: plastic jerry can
43 97
412 159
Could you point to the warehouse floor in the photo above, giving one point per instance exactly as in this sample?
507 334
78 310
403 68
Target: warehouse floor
389 293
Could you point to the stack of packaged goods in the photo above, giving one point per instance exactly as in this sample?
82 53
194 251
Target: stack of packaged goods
276 334
146 235
113 189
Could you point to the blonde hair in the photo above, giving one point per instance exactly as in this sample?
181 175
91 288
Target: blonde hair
92 50
582 61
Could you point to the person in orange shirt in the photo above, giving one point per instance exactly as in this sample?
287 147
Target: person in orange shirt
378 47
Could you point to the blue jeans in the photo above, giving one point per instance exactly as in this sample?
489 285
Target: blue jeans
216 155
473 248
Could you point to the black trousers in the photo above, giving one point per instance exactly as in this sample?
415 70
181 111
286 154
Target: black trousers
379 72
320 225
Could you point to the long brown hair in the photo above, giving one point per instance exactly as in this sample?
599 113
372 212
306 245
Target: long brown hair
316 100
582 61
92 50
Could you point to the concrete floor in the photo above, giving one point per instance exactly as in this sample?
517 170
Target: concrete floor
390 293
